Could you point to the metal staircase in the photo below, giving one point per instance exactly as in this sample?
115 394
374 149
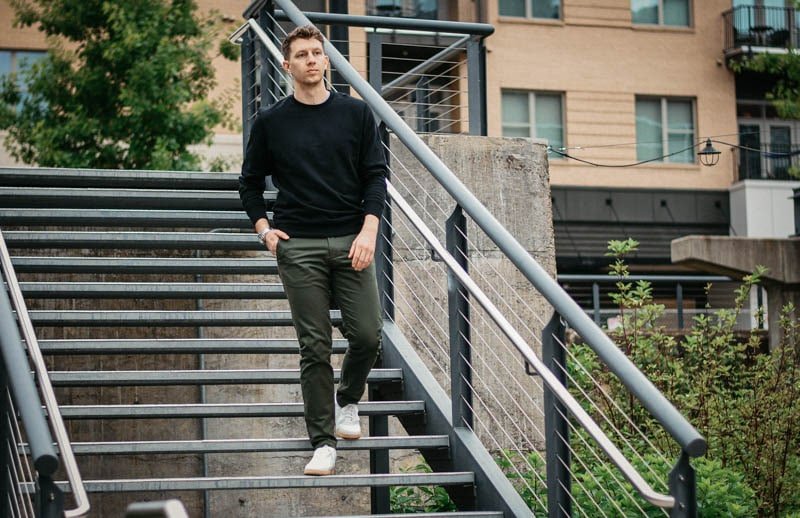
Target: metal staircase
143 231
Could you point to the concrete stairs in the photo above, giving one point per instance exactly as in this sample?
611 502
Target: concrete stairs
115 268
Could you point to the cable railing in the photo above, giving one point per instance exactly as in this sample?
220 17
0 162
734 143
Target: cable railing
431 72
477 332
32 461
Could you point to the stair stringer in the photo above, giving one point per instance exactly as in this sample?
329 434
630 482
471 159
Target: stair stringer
493 489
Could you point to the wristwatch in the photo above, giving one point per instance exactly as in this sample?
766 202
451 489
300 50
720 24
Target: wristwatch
262 236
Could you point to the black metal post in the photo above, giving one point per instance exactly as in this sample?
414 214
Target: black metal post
679 303
5 439
458 309
796 212
683 487
340 38
50 499
375 49
476 89
556 429
596 303
379 424
249 108
271 74
422 97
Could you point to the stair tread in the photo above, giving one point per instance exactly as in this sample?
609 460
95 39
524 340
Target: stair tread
125 239
115 178
254 445
278 482
137 265
178 346
167 317
189 377
151 290
125 217
192 410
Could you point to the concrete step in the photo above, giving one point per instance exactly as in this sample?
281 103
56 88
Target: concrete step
179 346
266 265
103 318
125 218
458 478
151 290
125 198
199 377
177 411
133 240
255 445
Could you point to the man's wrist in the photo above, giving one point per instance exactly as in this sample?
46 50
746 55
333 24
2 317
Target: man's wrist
262 236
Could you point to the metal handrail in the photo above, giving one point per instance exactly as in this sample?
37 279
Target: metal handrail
689 439
559 390
51 404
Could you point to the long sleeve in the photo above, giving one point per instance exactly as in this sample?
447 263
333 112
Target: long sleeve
372 166
255 169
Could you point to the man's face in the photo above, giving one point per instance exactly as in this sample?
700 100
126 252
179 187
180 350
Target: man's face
307 61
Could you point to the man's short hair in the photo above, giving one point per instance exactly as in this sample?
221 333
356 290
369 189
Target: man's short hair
305 32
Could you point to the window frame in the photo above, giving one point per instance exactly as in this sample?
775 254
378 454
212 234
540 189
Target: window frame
532 114
529 12
660 22
665 131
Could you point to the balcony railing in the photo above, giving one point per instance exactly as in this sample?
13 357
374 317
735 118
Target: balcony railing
769 162
760 29
421 9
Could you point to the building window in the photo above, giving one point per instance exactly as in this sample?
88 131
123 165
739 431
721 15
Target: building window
15 61
661 12
663 127
531 8
533 114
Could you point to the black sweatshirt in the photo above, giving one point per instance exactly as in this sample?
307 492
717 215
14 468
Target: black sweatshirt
326 161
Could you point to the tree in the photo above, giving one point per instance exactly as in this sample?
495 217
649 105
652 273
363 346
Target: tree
124 85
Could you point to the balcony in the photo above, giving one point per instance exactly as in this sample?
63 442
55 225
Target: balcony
420 9
757 29
768 162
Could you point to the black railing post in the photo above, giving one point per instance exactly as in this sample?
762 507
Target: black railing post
596 304
249 108
556 428
271 73
683 487
5 445
679 303
379 424
476 86
796 197
49 499
340 38
422 98
458 313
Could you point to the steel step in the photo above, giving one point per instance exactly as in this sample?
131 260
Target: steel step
126 198
116 178
458 478
179 346
460 514
133 240
102 318
366 408
125 218
151 290
255 445
266 265
199 377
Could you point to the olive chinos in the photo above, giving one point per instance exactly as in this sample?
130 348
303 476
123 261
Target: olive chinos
315 271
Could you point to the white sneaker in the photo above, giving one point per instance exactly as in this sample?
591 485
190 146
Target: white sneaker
322 463
348 425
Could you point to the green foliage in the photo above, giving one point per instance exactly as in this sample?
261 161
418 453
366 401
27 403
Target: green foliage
598 487
419 499
743 401
124 85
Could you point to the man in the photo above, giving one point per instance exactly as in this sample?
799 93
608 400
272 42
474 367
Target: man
324 155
